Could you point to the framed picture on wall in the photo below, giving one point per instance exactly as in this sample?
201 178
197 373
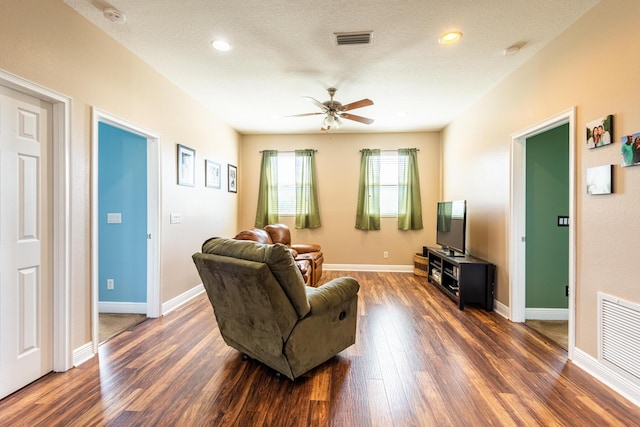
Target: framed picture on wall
233 178
599 180
600 132
212 177
630 149
186 166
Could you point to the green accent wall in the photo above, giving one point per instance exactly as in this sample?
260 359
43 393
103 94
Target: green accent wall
547 253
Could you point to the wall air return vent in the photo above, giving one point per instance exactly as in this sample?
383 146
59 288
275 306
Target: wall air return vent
619 335
354 38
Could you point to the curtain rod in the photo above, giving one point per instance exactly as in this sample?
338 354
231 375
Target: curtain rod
388 151
285 151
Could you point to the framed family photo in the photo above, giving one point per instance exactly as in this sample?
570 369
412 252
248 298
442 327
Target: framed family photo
212 178
232 176
600 132
186 166
630 149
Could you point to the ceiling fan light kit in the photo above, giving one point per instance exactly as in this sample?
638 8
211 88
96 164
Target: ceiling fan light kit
334 111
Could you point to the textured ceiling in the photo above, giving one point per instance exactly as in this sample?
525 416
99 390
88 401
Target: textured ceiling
285 50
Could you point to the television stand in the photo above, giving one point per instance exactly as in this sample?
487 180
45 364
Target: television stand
464 279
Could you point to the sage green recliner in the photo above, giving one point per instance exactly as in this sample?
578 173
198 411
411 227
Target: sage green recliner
265 311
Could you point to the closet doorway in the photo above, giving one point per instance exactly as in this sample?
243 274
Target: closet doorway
125 244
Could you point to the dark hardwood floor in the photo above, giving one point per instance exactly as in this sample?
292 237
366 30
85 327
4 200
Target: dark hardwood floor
418 361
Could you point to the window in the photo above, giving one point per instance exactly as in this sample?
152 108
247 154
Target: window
388 184
389 187
288 188
286 184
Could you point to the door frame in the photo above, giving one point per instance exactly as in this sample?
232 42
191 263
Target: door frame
61 141
517 232
153 214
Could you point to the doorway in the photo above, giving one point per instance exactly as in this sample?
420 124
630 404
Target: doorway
34 233
547 233
124 282
518 231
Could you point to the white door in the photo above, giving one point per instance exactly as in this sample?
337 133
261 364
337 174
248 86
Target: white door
26 287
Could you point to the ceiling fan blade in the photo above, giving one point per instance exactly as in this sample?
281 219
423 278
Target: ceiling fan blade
358 104
356 118
316 102
302 115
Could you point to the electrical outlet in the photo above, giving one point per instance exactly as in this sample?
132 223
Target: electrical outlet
110 285
385 254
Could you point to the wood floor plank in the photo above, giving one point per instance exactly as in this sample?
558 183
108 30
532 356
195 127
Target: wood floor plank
417 361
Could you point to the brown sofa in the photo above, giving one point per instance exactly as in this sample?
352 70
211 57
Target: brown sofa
308 256
264 310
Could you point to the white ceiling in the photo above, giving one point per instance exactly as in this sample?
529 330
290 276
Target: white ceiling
283 50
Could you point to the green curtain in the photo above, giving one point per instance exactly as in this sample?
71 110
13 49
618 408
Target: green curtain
307 212
368 211
267 212
409 201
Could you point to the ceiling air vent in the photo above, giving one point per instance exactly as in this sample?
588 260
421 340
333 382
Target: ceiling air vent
347 39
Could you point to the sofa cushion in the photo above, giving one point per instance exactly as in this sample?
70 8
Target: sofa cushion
277 257
279 233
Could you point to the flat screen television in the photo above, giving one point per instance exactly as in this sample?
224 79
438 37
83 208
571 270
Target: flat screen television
452 226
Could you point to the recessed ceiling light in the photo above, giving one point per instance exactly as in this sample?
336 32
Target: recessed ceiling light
221 45
450 37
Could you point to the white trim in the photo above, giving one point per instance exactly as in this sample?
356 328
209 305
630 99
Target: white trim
547 313
501 309
608 376
181 299
369 267
122 307
83 353
62 354
516 232
154 193
153 214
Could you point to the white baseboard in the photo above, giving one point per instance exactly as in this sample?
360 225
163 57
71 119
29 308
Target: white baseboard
546 313
618 383
369 267
183 298
501 309
83 353
122 307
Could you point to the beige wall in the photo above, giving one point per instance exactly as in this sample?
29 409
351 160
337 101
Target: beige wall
594 65
337 164
48 43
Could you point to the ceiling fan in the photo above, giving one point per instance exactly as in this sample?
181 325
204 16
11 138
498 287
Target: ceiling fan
335 111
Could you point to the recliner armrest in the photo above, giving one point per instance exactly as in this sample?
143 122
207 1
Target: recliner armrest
303 248
332 294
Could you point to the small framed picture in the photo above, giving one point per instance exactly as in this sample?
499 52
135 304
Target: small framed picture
600 132
186 166
212 174
232 176
599 180
630 149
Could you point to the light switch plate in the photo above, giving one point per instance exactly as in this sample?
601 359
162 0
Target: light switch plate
175 218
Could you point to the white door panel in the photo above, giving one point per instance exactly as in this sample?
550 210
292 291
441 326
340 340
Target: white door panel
26 288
